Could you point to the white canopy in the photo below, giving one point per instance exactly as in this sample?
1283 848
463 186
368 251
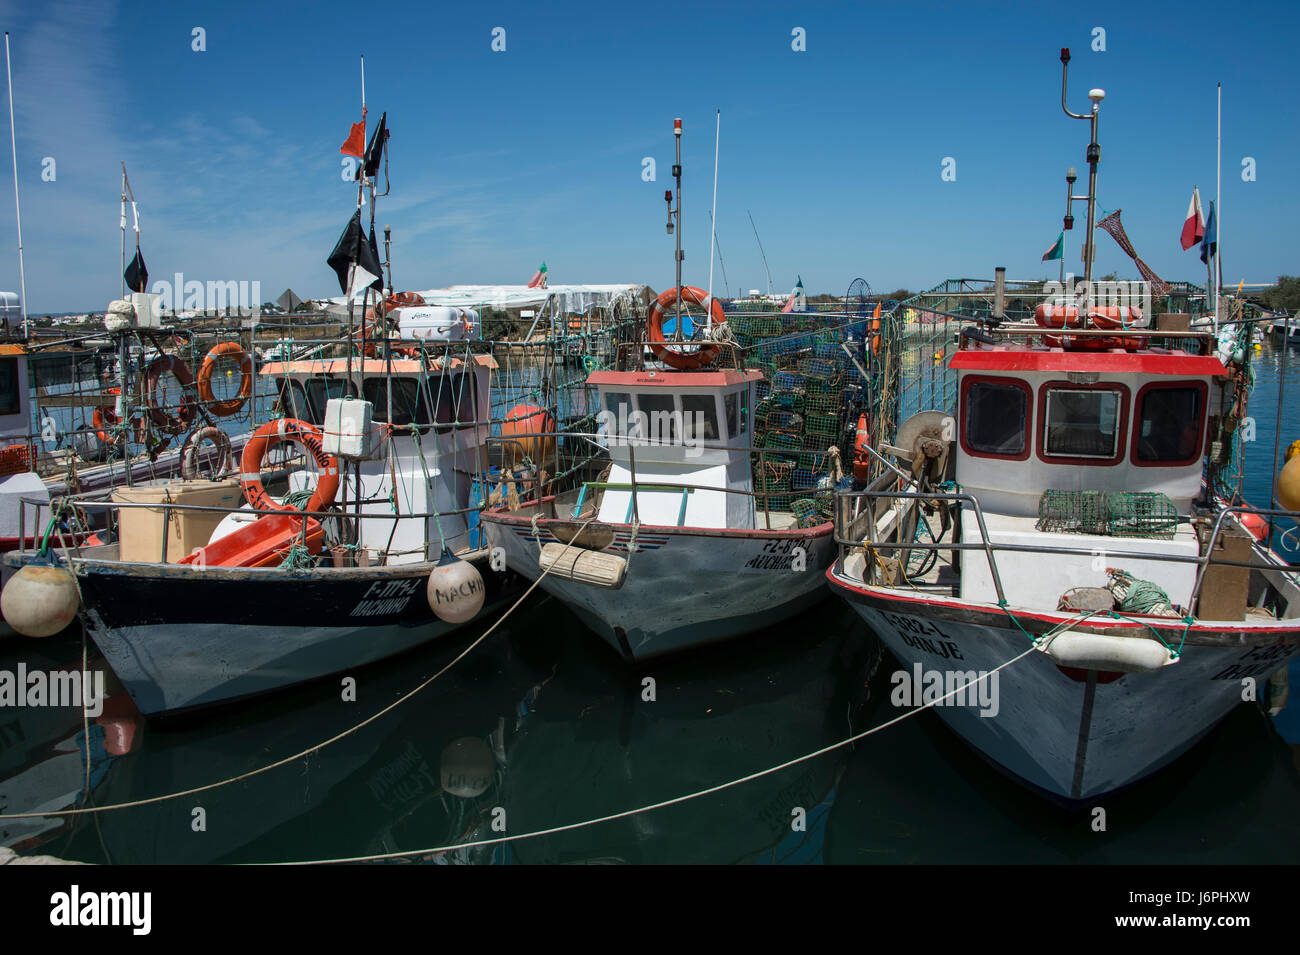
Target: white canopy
572 298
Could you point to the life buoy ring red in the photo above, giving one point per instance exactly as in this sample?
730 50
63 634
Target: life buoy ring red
163 419
104 418
861 457
228 406
705 354
268 436
1100 317
396 300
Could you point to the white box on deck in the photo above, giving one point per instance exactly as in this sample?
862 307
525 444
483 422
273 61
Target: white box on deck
348 432
148 311
438 323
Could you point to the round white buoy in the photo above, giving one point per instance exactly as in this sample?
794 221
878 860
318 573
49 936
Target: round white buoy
467 767
40 600
455 591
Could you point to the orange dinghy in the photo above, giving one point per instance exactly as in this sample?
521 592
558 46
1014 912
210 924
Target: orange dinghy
263 543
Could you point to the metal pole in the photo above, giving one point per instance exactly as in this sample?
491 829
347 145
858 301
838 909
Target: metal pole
713 223
1277 420
677 176
22 279
1218 210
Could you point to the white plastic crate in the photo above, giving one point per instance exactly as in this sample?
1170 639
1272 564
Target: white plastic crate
348 432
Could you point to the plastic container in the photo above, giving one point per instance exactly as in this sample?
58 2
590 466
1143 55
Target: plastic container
141 529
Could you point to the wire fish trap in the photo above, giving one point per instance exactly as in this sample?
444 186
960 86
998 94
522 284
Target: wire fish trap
814 461
783 441
805 512
803 479
788 381
824 425
828 351
789 400
764 327
1148 514
782 420
820 369
1073 512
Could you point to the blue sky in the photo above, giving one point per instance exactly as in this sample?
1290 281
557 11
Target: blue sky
500 160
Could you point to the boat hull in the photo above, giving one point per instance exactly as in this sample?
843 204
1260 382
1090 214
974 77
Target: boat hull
1072 734
182 638
684 587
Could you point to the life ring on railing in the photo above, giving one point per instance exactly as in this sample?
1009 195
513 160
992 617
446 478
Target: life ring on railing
268 436
705 354
162 419
190 452
104 418
1099 317
861 457
394 301
225 408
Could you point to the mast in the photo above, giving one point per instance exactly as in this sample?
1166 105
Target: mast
713 223
1093 157
22 278
1218 210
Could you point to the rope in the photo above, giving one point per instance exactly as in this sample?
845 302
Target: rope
296 756
650 807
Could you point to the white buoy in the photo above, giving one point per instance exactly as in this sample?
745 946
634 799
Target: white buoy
467 767
40 600
455 590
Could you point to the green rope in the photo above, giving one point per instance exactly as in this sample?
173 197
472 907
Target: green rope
298 558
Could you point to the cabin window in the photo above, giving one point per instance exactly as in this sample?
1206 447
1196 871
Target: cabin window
321 389
660 423
1169 424
453 403
700 417
293 400
409 406
1082 423
9 391
732 402
995 418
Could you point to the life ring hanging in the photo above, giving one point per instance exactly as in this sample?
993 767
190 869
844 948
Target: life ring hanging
190 452
301 433
705 354
104 418
228 406
162 419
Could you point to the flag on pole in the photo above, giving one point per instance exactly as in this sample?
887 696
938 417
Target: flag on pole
375 151
356 259
355 144
1057 251
136 275
796 299
1193 227
1210 241
539 278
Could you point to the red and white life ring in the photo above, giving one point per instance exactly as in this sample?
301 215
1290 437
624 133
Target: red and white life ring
185 412
302 433
105 417
229 406
1100 317
702 356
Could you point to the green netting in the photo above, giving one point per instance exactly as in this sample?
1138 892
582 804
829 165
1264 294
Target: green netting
805 512
1141 514
1072 512
1117 514
782 420
822 424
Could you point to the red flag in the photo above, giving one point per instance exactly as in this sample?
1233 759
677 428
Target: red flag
539 278
1193 229
789 303
355 144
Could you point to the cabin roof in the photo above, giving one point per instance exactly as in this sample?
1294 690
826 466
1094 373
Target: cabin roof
1146 361
714 378
368 366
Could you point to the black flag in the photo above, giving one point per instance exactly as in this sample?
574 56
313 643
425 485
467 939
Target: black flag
375 151
136 275
353 248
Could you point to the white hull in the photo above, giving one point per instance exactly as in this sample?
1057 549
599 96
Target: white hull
684 587
1070 737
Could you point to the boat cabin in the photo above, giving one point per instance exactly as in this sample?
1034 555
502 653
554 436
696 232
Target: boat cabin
442 409
678 428
1030 420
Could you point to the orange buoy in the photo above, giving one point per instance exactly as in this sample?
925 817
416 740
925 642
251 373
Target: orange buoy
532 429
163 419
1255 523
228 406
705 354
104 417
301 433
862 457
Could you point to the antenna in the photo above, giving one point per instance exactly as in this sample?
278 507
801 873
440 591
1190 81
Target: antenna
22 278
771 289
713 223
1093 157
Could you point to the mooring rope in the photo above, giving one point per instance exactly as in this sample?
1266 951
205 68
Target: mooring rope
568 827
306 752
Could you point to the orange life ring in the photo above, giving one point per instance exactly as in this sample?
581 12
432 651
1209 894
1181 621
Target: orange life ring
268 436
224 409
104 417
1100 316
162 419
861 457
396 300
655 323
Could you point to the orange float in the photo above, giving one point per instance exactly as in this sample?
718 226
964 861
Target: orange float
532 429
225 408
861 457
676 359
305 435
104 418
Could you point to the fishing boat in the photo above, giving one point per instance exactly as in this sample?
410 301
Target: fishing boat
1070 518
697 529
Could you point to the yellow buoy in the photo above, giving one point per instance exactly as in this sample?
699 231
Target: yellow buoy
1288 482
40 600
1293 450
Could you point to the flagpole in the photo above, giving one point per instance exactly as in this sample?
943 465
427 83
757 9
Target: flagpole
122 224
1218 211
22 278
713 222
